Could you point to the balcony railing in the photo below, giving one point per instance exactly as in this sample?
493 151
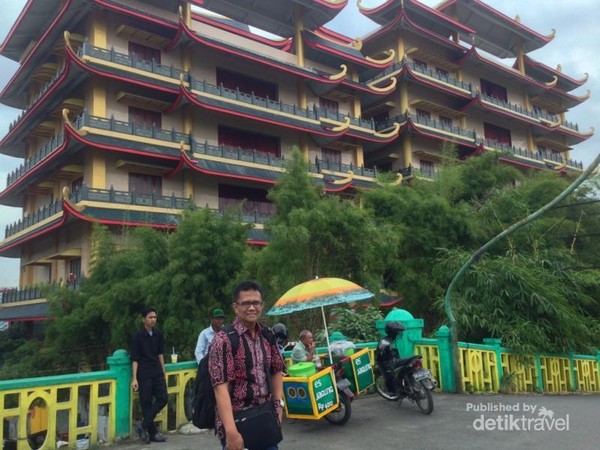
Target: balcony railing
129 60
20 295
30 163
237 153
276 105
160 201
32 219
39 95
325 164
510 106
131 128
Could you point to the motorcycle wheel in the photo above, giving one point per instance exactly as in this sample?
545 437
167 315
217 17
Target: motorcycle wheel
382 390
422 397
341 415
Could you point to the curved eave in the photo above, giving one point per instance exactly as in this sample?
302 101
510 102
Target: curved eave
221 168
423 130
115 144
282 44
388 10
10 248
26 120
18 81
171 25
486 20
276 17
403 22
545 74
97 68
407 73
478 103
319 49
11 195
241 110
261 59
121 217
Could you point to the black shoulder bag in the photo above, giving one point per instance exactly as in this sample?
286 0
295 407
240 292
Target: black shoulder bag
259 425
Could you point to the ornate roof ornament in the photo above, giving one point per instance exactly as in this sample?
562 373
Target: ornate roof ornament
396 182
584 96
518 18
391 54
389 88
346 180
391 134
341 74
559 68
553 83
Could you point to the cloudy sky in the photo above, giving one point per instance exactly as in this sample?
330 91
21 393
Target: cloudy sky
575 47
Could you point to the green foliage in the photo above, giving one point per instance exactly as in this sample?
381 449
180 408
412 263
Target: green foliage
357 324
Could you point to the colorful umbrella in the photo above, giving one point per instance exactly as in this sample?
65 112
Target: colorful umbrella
319 293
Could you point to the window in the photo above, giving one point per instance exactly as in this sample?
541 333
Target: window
443 73
231 137
446 121
331 155
427 167
497 134
143 52
145 184
420 64
493 90
145 118
329 105
254 200
246 84
424 115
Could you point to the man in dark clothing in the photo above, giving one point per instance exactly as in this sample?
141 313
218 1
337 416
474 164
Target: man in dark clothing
149 375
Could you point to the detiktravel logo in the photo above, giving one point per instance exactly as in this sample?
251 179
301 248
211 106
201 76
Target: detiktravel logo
516 417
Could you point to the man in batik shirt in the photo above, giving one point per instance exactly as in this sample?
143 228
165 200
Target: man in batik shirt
244 374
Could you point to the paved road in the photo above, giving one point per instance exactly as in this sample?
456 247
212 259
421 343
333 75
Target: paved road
566 422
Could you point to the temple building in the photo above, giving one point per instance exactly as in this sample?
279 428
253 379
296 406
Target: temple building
133 109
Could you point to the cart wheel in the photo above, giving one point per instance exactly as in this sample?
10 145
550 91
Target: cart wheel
341 415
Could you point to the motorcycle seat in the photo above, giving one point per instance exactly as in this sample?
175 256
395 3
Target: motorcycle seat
406 361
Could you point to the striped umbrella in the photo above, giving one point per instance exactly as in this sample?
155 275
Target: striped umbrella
319 293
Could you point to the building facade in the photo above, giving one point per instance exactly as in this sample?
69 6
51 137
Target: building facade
134 109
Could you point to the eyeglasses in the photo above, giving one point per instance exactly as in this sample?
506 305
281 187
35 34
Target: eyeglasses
254 303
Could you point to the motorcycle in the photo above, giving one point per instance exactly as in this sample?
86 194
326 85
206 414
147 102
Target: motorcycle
406 378
342 414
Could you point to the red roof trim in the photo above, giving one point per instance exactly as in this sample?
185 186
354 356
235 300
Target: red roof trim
414 127
37 46
531 62
35 234
284 44
502 16
36 105
136 14
37 167
195 37
193 100
95 71
328 33
78 137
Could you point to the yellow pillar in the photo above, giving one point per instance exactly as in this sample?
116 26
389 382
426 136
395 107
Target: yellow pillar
400 47
304 147
188 120
407 150
463 122
187 14
188 185
530 142
97 170
186 59
302 97
299 26
360 155
520 57
403 97
356 107
526 101
97 98
98 33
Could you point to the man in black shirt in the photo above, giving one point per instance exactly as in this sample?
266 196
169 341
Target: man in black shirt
149 375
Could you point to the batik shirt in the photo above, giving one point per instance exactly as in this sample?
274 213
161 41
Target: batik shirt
245 371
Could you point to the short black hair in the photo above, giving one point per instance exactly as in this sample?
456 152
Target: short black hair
147 311
246 285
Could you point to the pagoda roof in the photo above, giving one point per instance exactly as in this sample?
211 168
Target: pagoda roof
404 20
420 13
545 74
276 17
495 32
242 29
19 312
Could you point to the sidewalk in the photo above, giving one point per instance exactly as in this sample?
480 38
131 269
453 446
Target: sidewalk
175 441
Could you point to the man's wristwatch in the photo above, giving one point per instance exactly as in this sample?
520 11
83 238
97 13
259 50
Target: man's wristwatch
279 402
